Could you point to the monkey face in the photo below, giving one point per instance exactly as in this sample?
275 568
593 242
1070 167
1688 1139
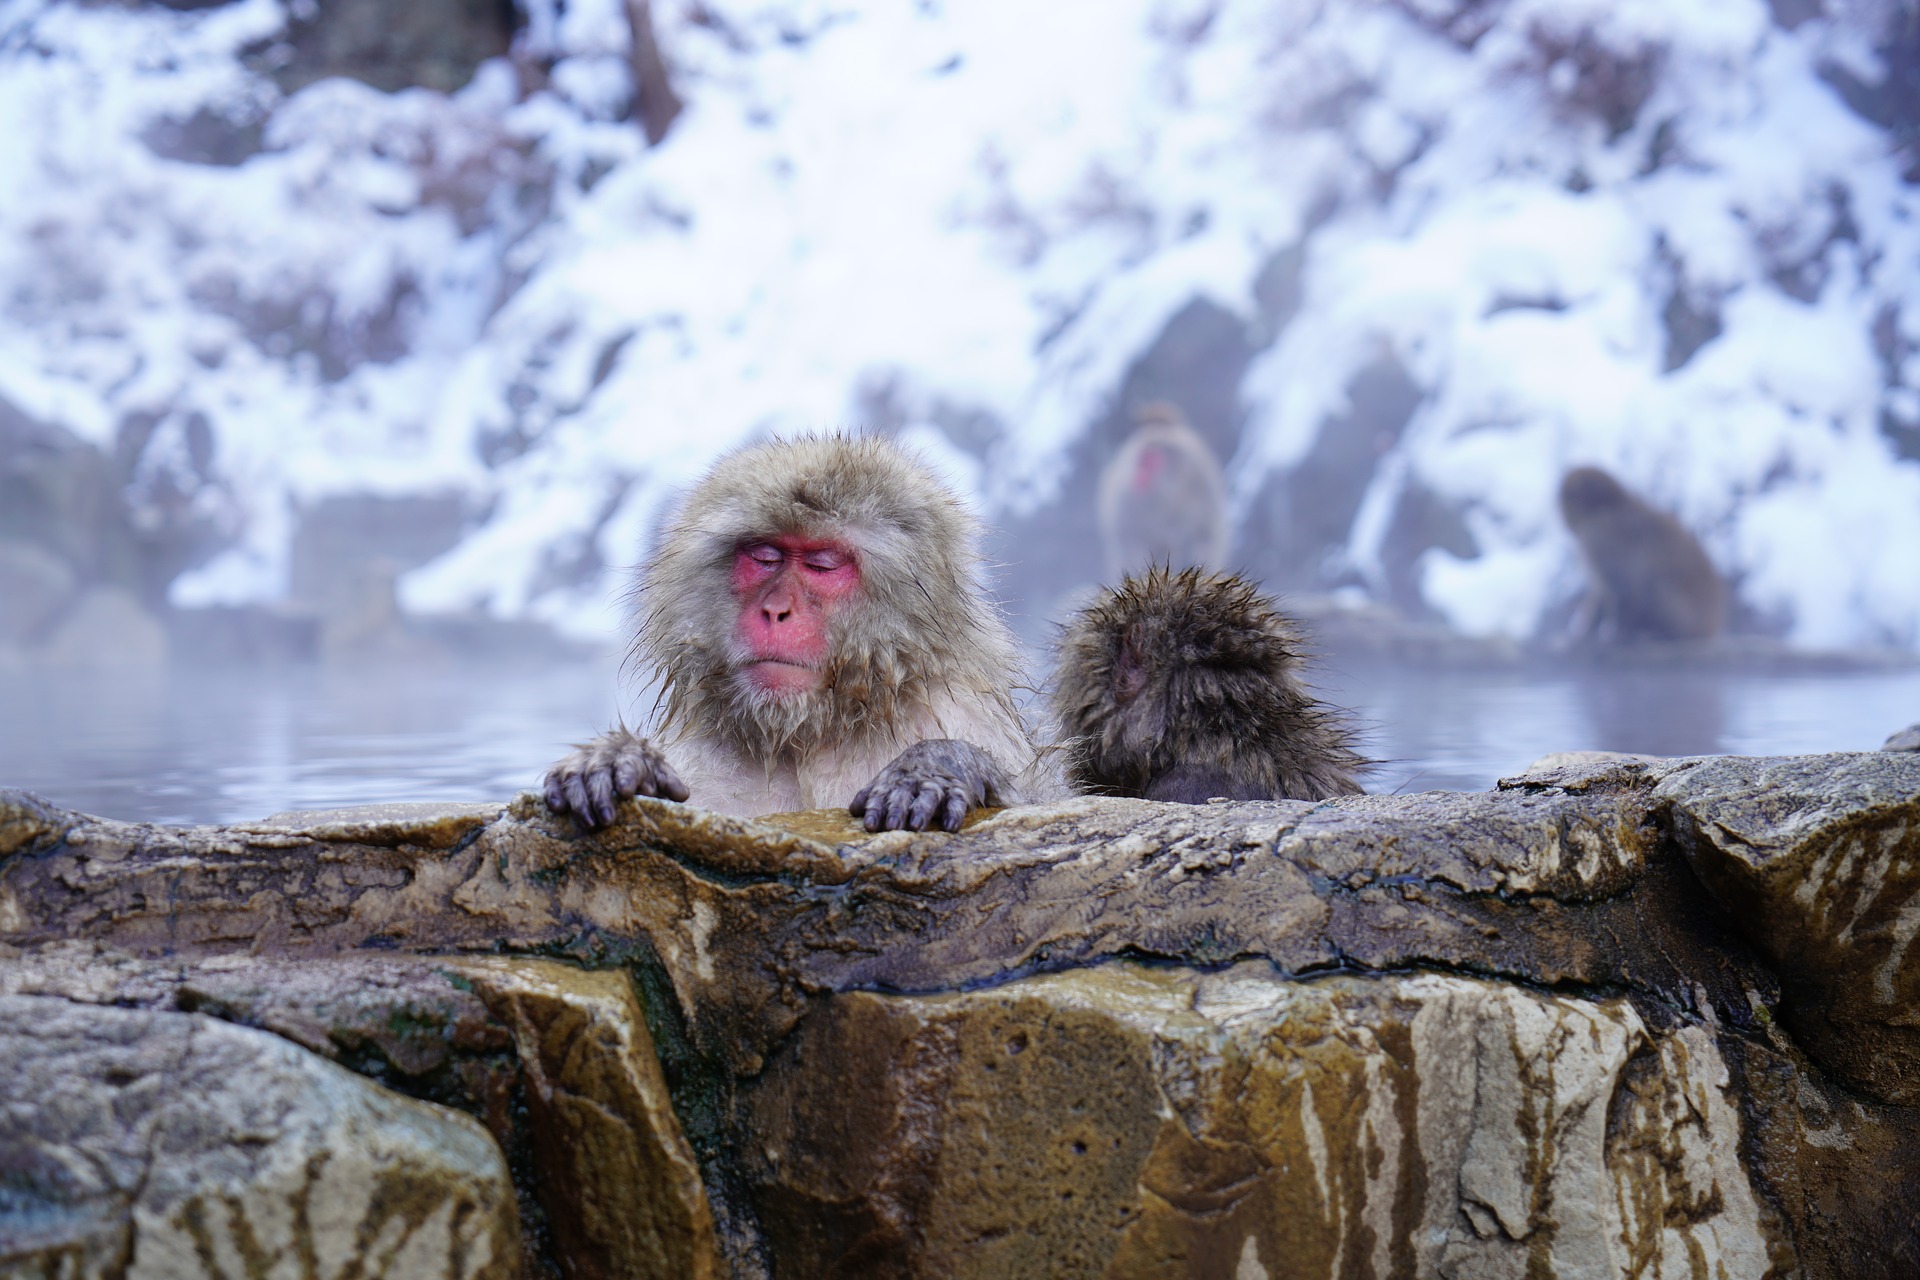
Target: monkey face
1130 666
788 590
1147 470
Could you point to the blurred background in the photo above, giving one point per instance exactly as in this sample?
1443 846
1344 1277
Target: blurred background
352 351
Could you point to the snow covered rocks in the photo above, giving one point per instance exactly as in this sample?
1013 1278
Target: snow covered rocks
1402 263
1614 1017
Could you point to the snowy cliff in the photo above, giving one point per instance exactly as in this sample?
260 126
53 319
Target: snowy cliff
1404 261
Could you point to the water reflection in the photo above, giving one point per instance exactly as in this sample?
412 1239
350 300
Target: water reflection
198 746
1441 730
1658 713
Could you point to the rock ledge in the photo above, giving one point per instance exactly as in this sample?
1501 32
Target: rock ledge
1618 1017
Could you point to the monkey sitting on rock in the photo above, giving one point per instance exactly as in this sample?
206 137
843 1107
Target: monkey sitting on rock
1649 577
1186 686
817 619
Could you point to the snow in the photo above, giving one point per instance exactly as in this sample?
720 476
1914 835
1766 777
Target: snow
998 206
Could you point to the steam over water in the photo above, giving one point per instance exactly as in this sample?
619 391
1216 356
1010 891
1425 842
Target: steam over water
220 746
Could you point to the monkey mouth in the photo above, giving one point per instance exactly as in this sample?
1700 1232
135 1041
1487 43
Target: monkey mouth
776 676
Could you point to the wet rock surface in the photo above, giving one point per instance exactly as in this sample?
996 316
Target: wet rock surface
555 1062
1149 1122
1617 1017
163 1144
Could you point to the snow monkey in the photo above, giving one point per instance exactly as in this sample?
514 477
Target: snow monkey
1649 578
1185 686
1163 499
816 616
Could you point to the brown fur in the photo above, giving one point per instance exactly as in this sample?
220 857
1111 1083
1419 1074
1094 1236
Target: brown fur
921 655
1649 577
1183 686
1181 519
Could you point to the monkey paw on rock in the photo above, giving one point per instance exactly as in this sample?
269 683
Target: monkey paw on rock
591 782
931 783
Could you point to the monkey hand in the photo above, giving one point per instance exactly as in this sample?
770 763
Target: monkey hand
592 781
930 783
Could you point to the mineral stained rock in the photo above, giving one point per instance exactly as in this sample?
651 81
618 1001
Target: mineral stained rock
149 1144
1616 1018
1150 1122
1823 867
554 1060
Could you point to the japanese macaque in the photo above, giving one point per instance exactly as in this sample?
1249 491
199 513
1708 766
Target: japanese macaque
816 617
1163 499
1648 577
1185 686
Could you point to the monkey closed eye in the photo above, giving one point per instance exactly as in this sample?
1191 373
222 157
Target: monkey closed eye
931 783
591 782
812 602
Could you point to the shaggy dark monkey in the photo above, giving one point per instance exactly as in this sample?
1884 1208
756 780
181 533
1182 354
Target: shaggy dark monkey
1184 686
1649 578
817 619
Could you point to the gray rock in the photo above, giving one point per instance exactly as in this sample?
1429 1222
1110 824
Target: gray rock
1908 739
167 1144
1576 759
435 45
1615 1017
597 1154
1815 857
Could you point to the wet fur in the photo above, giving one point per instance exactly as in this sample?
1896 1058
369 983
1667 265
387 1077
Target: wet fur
923 654
1184 686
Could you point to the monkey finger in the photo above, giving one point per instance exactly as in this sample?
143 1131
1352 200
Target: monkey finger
629 779
956 812
920 817
667 783
899 804
858 805
556 794
874 806
600 792
576 792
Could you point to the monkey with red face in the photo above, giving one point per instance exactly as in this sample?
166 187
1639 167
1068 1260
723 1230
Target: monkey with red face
1163 499
817 619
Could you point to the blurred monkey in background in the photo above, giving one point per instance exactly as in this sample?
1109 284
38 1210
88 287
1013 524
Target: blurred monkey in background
1648 577
818 620
1184 686
1163 499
